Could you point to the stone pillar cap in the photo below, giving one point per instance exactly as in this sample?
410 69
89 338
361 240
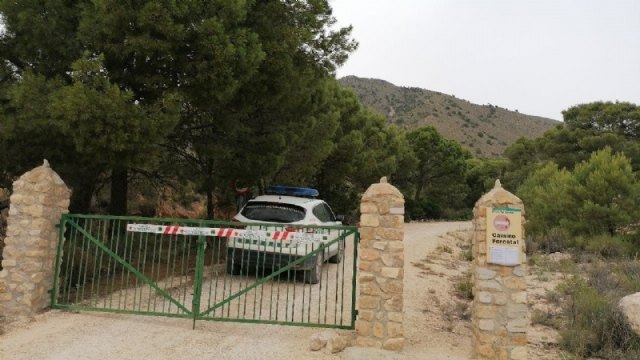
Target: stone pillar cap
380 189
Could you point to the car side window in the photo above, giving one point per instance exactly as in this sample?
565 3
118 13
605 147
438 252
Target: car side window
332 216
320 211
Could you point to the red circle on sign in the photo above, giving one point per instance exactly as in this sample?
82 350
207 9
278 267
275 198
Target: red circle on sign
501 222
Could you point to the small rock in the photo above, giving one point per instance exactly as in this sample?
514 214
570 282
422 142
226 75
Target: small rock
336 344
319 340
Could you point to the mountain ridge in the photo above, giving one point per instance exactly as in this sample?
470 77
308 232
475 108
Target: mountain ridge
485 130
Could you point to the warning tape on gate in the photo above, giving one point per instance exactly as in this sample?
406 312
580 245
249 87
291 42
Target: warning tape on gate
224 232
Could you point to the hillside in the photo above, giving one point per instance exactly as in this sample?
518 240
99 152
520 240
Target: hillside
486 130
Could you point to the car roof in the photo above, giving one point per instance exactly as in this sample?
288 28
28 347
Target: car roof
287 199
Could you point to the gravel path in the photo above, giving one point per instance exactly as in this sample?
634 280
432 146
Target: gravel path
65 335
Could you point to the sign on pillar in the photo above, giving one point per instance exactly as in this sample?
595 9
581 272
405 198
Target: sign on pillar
504 236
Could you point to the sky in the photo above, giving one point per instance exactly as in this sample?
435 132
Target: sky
537 57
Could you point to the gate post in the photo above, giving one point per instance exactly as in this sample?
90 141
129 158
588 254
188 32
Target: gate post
499 312
381 265
38 201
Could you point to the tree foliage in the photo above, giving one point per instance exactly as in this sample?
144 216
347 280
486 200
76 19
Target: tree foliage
439 179
621 118
598 197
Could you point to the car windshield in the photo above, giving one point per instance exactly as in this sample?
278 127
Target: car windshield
273 212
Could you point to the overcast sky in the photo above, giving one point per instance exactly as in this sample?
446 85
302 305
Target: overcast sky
539 57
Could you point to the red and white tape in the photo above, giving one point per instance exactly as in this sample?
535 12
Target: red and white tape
222 232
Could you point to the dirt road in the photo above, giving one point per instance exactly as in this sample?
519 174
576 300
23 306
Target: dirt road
64 335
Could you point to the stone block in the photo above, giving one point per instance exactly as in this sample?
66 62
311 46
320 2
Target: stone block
367 233
368 302
517 325
391 272
363 328
519 297
392 221
394 304
369 255
394 330
488 285
519 340
484 273
389 234
486 324
379 330
485 297
393 344
484 311
392 286
520 270
379 245
516 283
393 259
486 351
369 220
517 311
368 207
395 316
367 315
366 277
500 298
370 266
395 246
369 288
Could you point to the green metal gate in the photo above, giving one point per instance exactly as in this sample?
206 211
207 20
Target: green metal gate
207 270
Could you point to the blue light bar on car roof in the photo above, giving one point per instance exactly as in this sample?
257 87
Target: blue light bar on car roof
292 191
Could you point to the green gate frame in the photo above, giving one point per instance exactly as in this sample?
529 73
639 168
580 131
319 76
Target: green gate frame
195 313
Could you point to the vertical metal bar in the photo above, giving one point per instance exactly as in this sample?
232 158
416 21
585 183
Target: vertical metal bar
69 266
197 286
83 263
356 243
154 252
172 267
158 239
128 246
115 232
143 270
278 286
58 263
98 283
183 271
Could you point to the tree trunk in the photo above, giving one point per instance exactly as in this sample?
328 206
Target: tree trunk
81 196
119 189
210 205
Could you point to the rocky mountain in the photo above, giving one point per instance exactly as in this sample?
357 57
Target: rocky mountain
486 130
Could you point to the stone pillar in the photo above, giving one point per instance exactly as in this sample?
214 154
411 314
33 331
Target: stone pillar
39 198
381 268
499 311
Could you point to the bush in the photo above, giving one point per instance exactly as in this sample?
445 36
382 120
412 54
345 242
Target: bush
596 327
607 246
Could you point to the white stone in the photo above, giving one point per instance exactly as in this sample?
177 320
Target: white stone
335 344
485 274
485 297
630 307
517 325
487 325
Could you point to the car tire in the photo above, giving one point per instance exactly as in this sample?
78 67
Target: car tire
312 276
337 258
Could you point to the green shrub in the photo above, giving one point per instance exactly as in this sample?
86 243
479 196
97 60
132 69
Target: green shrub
605 245
596 327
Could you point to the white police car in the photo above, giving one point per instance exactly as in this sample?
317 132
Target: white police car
272 246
